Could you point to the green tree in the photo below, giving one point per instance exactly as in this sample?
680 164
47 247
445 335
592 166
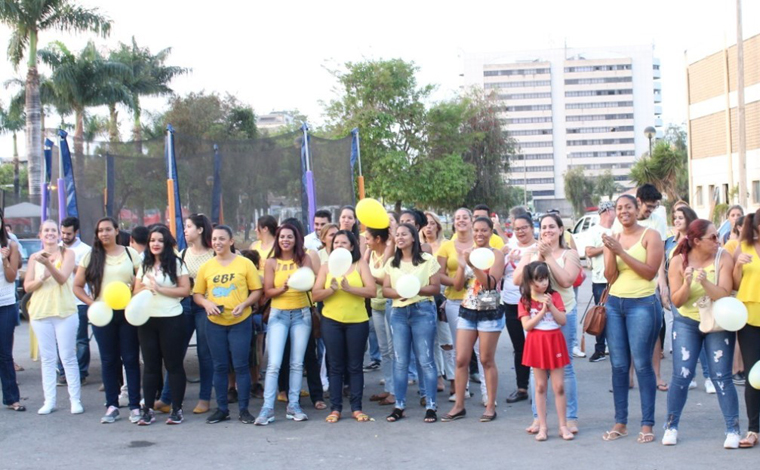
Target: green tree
12 120
579 190
661 170
605 185
27 19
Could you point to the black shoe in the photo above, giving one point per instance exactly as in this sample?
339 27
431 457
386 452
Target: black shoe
232 395
517 395
372 366
597 357
475 378
246 417
218 416
739 378
176 417
61 381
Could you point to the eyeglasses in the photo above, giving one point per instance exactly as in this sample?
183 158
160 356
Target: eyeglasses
522 229
713 237
652 207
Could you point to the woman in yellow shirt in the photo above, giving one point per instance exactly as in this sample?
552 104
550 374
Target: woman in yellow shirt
700 268
747 281
413 320
289 316
51 310
345 325
226 287
634 316
266 227
117 341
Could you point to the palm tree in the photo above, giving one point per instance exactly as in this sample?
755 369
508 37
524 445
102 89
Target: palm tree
150 76
27 19
12 120
85 80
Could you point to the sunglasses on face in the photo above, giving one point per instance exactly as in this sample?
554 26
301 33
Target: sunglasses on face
713 237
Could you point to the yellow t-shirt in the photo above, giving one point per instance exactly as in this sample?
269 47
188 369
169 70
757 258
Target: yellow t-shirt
748 290
118 268
227 286
342 306
448 250
731 246
164 305
264 255
423 271
290 299
51 299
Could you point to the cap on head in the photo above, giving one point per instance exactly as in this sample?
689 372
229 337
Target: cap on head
606 206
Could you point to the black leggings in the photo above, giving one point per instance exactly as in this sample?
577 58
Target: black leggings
345 344
517 335
749 344
162 339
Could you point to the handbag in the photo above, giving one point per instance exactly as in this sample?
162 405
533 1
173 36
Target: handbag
316 319
707 323
596 319
488 299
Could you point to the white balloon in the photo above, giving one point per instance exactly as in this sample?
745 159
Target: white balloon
482 258
408 286
138 310
302 280
339 262
754 376
730 313
99 313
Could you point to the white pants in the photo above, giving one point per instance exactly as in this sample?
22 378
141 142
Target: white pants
58 336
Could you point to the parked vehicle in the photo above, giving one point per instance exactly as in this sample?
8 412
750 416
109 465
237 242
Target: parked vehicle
580 231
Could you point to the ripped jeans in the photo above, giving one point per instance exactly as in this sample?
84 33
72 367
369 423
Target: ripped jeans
719 346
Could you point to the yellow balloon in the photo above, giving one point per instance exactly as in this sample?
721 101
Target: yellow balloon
372 214
116 295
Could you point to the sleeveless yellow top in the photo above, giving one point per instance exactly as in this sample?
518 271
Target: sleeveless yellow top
52 299
290 299
264 255
377 271
629 284
342 306
749 293
689 310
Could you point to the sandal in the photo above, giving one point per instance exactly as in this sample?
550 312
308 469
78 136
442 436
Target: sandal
430 416
361 416
572 425
449 417
17 407
423 401
484 418
749 441
379 396
201 407
533 428
333 417
645 437
385 401
565 433
663 387
613 435
320 405
396 415
541 435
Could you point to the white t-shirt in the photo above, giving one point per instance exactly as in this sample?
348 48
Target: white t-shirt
510 293
80 249
654 221
312 242
163 305
597 262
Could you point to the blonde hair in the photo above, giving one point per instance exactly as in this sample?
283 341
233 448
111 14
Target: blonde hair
326 228
439 231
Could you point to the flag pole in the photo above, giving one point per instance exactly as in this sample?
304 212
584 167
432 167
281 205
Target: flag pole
359 161
310 192
170 179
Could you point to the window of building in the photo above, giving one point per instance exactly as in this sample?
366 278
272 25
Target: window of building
534 71
598 117
593 81
535 156
611 153
542 193
535 107
599 142
522 84
530 120
756 192
525 96
597 130
598 68
529 132
604 104
531 145
700 201
575 94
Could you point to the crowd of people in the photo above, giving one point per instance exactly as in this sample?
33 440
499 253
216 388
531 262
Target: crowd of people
242 312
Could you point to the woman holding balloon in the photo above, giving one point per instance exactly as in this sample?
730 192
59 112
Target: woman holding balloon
746 280
480 319
161 284
107 270
343 285
700 268
411 280
52 310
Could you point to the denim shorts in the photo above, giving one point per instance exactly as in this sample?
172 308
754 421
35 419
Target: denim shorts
486 326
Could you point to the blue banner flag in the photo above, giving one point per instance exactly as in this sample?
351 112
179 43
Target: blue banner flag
68 175
48 160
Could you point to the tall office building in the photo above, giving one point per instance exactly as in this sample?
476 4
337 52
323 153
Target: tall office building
570 107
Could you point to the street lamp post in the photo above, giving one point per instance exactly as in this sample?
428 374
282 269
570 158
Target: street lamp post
650 132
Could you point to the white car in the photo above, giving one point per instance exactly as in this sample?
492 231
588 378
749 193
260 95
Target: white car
580 231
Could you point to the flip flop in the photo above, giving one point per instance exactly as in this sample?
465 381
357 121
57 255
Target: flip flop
386 402
378 397
484 418
449 417
320 405
613 435
361 417
333 417
645 437
663 387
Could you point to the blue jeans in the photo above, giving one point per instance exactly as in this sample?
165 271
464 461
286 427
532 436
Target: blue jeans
571 384
118 344
8 319
633 326
719 347
414 327
382 328
374 347
225 342
195 321
295 324
83 345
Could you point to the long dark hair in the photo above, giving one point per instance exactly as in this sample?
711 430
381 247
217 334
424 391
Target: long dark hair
697 229
227 229
167 258
356 252
382 233
3 234
535 271
298 251
355 228
560 225
202 222
93 274
416 248
750 228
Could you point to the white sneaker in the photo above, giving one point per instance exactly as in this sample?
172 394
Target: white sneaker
670 438
46 409
693 385
732 441
134 416
77 408
709 387
578 353
123 399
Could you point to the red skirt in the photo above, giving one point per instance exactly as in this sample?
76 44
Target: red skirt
545 349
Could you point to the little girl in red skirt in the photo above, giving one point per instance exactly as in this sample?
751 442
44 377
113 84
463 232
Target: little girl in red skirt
542 314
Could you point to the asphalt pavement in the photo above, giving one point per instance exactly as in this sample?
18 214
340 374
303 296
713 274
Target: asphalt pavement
63 441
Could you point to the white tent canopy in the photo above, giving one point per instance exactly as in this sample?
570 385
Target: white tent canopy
22 210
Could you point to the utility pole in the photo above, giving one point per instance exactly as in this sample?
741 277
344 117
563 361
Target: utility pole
740 107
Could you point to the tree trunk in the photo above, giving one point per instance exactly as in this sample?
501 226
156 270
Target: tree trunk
79 159
16 185
398 207
113 123
137 126
34 134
